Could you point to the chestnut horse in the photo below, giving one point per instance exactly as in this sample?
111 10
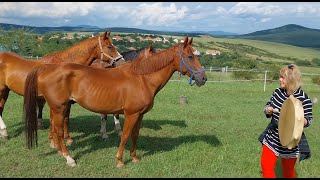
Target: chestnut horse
129 89
14 68
128 56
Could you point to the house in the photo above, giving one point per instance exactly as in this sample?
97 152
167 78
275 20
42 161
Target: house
130 39
165 40
196 52
40 39
117 38
213 52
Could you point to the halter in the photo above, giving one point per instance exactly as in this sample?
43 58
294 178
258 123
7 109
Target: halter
113 60
192 72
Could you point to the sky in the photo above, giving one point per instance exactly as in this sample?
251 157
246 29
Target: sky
233 17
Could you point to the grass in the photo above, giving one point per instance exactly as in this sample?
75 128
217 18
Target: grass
214 135
277 48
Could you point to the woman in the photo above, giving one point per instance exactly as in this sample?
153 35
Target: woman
290 84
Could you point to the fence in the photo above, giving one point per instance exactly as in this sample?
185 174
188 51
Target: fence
223 74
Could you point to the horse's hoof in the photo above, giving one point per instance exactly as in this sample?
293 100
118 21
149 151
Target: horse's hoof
4 133
71 162
69 142
135 160
120 165
104 136
40 124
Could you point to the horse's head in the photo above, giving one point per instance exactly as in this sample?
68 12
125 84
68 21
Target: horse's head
108 51
134 55
189 63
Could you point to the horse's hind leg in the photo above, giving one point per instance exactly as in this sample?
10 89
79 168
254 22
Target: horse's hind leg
4 93
58 134
40 103
134 136
103 131
66 125
117 125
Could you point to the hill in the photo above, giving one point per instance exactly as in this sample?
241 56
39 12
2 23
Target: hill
291 34
87 28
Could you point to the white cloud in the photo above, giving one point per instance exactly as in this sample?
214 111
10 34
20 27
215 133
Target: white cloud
255 8
45 9
157 14
263 20
306 9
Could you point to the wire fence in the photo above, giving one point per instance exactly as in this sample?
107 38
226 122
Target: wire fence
223 74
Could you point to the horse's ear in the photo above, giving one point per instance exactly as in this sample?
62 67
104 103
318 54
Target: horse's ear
185 42
151 47
106 35
190 41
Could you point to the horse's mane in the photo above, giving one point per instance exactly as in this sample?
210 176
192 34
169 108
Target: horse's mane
74 50
133 54
153 63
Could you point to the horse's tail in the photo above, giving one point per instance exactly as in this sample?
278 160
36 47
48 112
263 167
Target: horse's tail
30 108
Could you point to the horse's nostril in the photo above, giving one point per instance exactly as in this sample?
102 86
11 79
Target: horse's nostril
204 79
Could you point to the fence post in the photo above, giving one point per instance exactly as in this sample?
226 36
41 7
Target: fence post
210 69
265 81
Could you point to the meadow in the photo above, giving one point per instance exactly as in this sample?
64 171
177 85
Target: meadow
214 135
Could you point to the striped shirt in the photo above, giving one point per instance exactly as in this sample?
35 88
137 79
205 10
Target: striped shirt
271 139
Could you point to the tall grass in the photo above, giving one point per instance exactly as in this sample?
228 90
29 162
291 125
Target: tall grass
214 135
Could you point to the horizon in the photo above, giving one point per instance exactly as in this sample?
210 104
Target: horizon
229 17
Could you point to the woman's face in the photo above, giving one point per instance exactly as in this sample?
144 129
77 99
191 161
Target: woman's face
283 82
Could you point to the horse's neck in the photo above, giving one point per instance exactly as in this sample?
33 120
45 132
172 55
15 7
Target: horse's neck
157 80
82 53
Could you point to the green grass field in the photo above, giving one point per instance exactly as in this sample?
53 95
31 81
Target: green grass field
214 135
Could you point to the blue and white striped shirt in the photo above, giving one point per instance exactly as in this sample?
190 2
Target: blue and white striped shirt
271 138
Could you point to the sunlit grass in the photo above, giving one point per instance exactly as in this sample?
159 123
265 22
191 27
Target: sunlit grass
214 135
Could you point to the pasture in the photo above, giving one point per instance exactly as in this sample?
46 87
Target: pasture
214 135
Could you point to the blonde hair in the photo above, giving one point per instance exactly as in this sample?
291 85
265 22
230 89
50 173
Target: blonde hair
293 77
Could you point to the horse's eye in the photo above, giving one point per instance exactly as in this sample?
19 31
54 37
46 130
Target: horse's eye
190 56
109 47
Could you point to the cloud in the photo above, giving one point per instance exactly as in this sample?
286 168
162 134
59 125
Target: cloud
45 9
255 8
157 14
305 9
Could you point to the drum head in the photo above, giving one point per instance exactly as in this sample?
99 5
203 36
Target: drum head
291 122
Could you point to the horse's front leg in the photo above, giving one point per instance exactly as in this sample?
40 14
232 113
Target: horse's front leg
40 102
117 125
134 136
4 93
103 131
129 123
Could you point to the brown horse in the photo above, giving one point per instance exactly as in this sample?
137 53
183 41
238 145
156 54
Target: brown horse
129 56
130 89
14 68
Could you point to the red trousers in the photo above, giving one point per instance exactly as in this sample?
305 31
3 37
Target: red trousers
268 163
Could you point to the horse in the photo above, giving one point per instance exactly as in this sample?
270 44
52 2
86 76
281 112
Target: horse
128 56
130 90
14 68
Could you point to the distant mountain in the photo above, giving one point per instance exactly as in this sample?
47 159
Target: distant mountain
89 28
291 34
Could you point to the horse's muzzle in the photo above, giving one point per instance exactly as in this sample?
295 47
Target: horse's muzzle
200 79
